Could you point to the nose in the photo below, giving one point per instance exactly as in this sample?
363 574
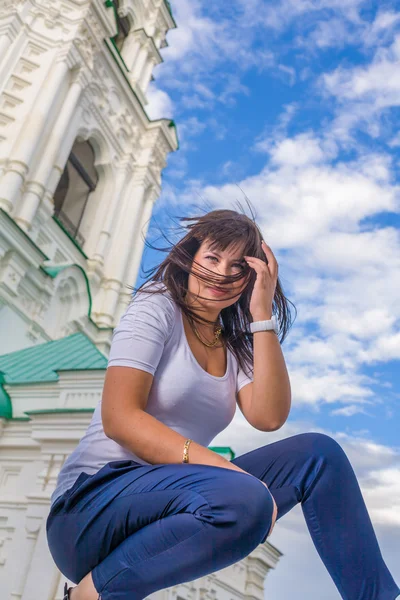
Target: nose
224 272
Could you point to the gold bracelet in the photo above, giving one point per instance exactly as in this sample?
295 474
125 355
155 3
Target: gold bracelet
186 452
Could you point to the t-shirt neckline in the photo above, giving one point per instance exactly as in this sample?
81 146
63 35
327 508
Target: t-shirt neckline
206 373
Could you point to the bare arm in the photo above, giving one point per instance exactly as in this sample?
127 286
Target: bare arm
125 421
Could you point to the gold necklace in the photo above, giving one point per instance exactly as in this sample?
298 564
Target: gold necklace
216 336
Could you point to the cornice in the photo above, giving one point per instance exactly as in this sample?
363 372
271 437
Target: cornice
18 239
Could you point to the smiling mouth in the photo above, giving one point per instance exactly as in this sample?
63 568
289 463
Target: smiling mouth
218 291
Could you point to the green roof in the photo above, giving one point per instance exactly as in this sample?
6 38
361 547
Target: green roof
40 363
222 450
5 400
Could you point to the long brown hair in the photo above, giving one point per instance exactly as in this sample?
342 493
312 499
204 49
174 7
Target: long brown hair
222 228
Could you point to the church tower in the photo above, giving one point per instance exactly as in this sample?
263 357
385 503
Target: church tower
80 162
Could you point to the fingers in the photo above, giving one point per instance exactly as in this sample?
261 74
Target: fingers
272 262
258 264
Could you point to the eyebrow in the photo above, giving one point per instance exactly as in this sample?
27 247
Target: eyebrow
233 259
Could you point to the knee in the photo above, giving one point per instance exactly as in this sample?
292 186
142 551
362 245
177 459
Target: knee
255 510
242 504
322 445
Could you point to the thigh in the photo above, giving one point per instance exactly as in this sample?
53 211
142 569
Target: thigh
191 486
289 467
102 510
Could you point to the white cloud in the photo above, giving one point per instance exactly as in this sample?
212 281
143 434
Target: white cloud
382 28
346 27
190 128
344 275
385 20
385 348
395 141
201 50
194 33
272 135
365 93
348 411
304 198
380 80
280 15
329 33
159 104
299 151
314 385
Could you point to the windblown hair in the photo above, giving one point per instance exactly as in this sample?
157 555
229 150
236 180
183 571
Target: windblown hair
223 229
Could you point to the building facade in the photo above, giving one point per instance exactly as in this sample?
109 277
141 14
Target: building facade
80 171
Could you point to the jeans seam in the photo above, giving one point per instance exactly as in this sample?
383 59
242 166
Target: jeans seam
77 512
151 557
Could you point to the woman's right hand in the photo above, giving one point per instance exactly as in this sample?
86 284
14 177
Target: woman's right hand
275 511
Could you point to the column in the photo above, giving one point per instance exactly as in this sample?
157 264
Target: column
25 556
41 575
126 227
24 148
136 251
138 65
130 50
5 43
146 74
105 232
32 197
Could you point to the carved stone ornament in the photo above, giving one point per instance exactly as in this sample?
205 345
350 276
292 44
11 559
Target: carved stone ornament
53 18
86 45
3 549
10 6
32 525
126 129
157 160
123 11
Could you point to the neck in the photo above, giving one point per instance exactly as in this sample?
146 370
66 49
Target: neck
202 311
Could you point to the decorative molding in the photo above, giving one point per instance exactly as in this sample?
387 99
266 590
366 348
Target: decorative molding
10 7
86 45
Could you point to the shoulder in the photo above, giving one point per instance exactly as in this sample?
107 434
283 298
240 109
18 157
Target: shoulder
143 330
154 292
157 306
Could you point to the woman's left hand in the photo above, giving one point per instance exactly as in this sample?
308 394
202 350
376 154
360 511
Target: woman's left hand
265 284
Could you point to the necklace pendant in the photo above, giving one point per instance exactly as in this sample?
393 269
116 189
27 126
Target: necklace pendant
216 335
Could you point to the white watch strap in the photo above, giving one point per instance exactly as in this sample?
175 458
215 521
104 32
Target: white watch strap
264 325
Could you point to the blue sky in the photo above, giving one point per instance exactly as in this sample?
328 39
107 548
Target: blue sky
297 102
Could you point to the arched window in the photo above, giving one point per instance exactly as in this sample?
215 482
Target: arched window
77 181
123 25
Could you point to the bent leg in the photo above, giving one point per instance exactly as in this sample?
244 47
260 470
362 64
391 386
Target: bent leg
143 528
313 469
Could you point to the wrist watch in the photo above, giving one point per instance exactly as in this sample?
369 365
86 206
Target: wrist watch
270 324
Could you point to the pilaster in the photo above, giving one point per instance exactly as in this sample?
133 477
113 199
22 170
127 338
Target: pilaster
22 152
37 185
126 227
136 250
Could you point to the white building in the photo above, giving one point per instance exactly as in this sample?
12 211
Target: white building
80 171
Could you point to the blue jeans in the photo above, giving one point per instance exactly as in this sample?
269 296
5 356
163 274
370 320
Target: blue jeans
142 528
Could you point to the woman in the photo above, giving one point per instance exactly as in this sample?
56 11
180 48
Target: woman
142 504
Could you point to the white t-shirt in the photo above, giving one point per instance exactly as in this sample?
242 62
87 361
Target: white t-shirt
150 336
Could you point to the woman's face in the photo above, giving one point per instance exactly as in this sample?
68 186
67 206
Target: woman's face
221 263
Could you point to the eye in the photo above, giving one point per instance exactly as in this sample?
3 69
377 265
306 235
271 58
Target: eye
240 266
